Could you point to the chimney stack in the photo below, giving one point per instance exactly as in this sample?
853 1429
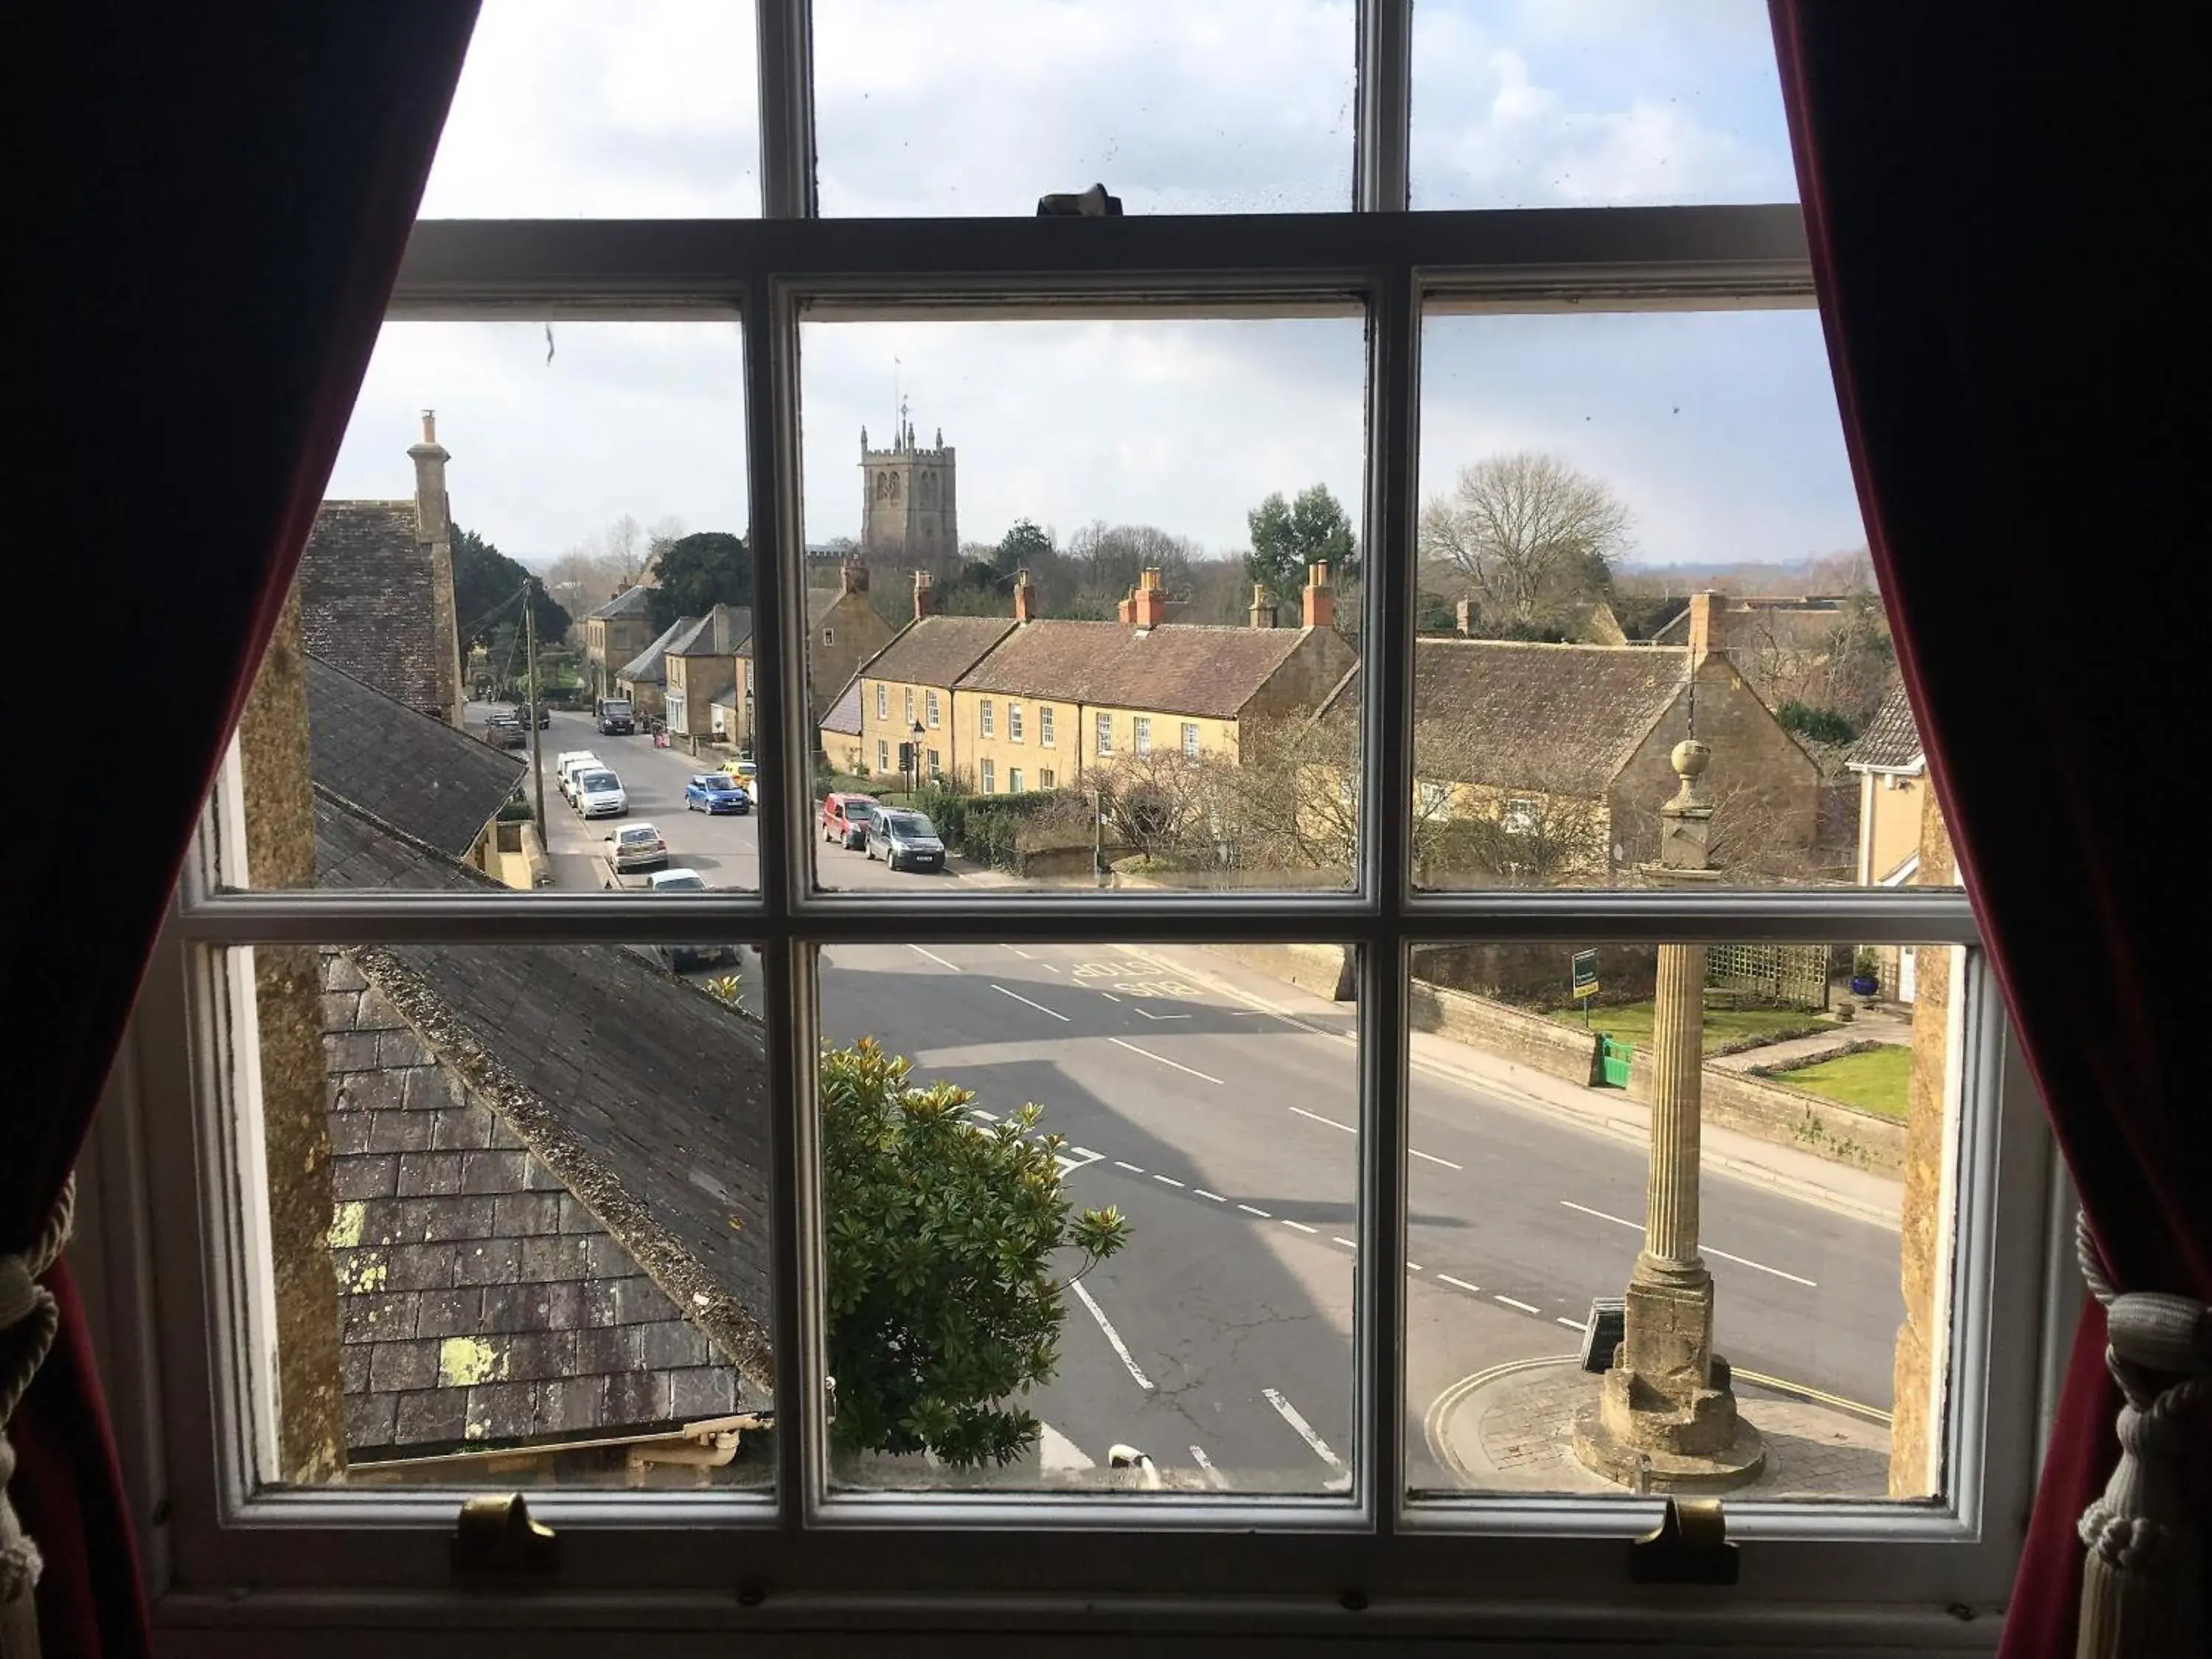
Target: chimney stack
1464 614
1317 604
1025 598
1148 605
433 530
1707 625
1263 608
433 522
922 596
1127 608
852 576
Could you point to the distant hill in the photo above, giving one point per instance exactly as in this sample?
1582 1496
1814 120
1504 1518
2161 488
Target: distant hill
1820 573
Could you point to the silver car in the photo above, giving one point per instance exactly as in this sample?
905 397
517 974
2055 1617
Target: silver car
904 840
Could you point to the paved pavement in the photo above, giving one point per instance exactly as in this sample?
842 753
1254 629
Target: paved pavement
1218 1109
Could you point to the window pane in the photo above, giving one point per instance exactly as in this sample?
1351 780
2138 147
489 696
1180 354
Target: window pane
1636 529
568 110
1820 1218
1053 518
1596 103
602 459
1201 1314
516 1210
929 106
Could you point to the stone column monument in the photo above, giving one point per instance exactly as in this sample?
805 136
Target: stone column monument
1665 1418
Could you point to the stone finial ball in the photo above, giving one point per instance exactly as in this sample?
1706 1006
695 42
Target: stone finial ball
1691 757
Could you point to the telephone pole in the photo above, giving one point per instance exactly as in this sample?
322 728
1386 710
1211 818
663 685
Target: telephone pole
537 737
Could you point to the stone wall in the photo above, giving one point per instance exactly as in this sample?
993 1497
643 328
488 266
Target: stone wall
280 852
1768 1111
1528 1040
1324 970
1519 970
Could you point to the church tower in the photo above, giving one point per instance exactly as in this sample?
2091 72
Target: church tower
908 511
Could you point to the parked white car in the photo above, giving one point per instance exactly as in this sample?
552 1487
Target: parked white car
599 794
565 765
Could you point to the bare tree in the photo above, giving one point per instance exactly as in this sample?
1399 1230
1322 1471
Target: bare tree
1528 534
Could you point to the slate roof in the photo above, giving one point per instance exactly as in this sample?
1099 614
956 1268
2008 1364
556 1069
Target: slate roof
1177 669
844 713
632 1093
1891 742
366 599
1561 718
630 602
937 650
412 770
722 632
650 666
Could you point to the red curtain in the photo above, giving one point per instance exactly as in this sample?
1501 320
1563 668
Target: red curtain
1999 217
213 206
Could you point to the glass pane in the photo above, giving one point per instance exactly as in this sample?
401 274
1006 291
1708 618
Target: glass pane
1792 1181
1597 103
1074 638
1160 1259
930 107
1638 529
516 1212
569 110
602 459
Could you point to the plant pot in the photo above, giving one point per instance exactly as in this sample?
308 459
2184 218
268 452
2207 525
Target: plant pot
1864 985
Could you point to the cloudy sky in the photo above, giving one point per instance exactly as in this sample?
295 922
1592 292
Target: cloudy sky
1719 430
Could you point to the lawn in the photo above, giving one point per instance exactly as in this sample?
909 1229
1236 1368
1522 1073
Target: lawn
1873 1080
1631 1022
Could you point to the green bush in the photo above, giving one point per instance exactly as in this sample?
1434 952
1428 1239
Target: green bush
1820 724
517 811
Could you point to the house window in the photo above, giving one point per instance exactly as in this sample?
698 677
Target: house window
1189 740
1414 1243
828 636
1522 816
1434 796
990 778
983 714
1013 722
883 700
1143 735
1014 780
1044 726
883 755
1045 779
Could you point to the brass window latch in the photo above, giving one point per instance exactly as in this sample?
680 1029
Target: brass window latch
1690 1547
494 1537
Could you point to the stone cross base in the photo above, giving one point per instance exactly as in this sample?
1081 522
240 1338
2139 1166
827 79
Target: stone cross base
1665 1418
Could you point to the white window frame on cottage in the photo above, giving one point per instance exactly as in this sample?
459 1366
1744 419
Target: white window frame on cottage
1190 739
1141 735
1013 722
1014 780
930 702
171 1233
1101 742
883 700
985 721
1045 737
989 777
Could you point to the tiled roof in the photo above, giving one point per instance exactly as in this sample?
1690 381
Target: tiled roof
650 666
844 714
411 770
480 1302
937 650
644 1097
630 602
722 632
1561 718
1891 741
367 590
1177 669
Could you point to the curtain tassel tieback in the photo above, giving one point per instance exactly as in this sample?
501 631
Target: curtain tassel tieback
29 1318
2142 1588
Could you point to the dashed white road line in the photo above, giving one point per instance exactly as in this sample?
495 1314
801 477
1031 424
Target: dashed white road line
987 1117
1216 1197
1085 1151
934 957
1039 1007
1338 1238
1148 1014
1331 1122
1571 1324
1023 954
1512 1301
1249 1209
1112 1335
1198 1456
1109 996
1432 1157
1049 966
1703 1250
1177 1064
1304 1429
1130 1167
1300 1225
1471 1290
1416 1268
1169 1181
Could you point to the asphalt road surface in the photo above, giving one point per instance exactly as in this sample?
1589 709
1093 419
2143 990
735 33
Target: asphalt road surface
1218 1110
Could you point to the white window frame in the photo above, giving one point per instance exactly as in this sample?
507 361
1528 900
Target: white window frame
985 721
1045 737
989 775
936 708
1014 780
1190 739
883 700
1140 734
1013 722
1101 742
169 1177
883 755
909 705
1047 777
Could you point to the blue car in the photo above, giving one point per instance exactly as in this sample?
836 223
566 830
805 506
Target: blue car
716 792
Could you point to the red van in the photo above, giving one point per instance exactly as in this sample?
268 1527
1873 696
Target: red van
845 818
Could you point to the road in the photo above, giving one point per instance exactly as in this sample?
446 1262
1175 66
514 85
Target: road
1218 1110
